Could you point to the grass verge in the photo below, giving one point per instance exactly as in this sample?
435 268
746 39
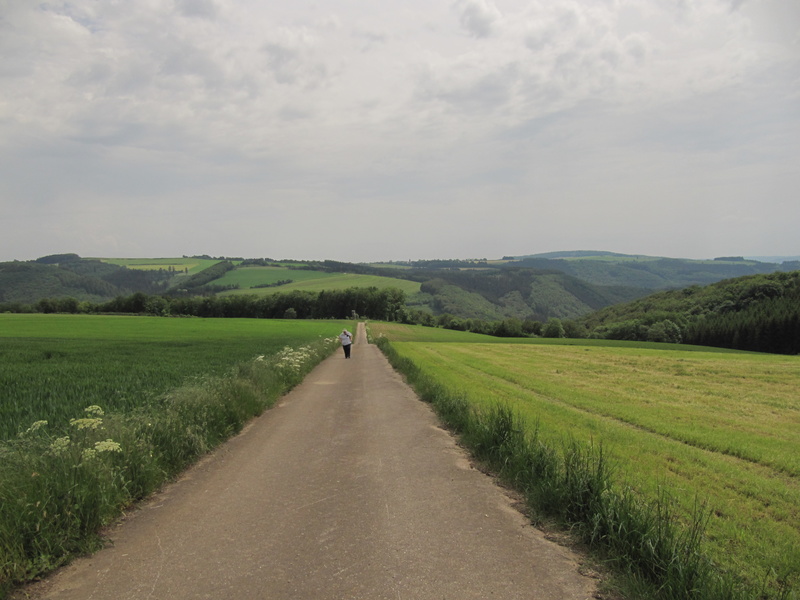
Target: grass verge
58 488
657 555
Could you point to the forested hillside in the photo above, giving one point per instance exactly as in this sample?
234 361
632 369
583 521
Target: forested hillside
757 312
521 293
653 273
70 276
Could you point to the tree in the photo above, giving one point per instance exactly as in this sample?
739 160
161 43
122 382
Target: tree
664 331
554 329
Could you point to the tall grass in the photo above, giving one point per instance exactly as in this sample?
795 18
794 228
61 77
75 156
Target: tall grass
59 487
658 555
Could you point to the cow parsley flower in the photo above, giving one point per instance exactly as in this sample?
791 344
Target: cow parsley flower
36 426
60 445
108 445
86 423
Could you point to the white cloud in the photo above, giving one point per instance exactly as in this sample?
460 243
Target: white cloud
543 110
477 17
204 9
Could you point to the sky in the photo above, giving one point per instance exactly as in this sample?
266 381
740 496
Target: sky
399 130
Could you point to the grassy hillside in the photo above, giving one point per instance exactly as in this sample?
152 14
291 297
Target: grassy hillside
253 279
188 266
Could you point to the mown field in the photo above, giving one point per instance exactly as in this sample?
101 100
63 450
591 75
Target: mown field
721 429
55 365
312 281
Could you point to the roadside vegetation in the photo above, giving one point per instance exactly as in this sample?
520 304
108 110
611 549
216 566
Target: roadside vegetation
98 412
680 468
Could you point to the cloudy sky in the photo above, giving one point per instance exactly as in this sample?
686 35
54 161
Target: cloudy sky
400 129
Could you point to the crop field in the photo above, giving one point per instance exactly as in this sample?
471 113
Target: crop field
312 281
55 365
194 265
98 412
721 429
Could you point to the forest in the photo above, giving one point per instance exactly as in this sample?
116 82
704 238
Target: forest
758 312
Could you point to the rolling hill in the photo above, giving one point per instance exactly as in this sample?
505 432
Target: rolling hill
650 272
564 285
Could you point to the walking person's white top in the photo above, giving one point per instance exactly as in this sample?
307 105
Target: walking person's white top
346 337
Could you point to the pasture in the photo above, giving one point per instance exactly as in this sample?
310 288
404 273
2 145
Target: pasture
720 429
303 280
190 266
55 365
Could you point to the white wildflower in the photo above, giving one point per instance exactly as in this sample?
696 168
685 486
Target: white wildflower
108 445
36 426
60 445
86 423
94 411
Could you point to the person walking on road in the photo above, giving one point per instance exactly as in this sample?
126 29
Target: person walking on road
347 340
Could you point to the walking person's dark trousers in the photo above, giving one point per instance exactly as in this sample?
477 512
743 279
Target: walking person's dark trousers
347 350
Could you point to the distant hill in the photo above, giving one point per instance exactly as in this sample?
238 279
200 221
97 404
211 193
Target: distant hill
564 285
70 276
575 254
776 259
650 272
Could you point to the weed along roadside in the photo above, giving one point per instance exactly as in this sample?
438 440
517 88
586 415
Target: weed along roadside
664 539
60 484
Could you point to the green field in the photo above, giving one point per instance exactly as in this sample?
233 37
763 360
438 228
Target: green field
721 428
397 332
303 280
194 265
98 412
55 365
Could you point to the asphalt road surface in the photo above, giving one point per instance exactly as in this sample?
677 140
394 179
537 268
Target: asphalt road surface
347 489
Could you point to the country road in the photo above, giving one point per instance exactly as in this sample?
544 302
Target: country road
347 489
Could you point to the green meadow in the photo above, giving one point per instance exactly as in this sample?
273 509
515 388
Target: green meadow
718 429
188 265
304 280
55 365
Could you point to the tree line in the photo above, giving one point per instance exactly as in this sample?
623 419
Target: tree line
382 304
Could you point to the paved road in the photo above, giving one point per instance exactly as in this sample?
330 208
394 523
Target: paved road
347 489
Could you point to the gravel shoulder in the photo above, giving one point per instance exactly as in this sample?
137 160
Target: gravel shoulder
348 488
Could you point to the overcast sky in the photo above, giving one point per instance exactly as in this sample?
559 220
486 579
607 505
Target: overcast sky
400 129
